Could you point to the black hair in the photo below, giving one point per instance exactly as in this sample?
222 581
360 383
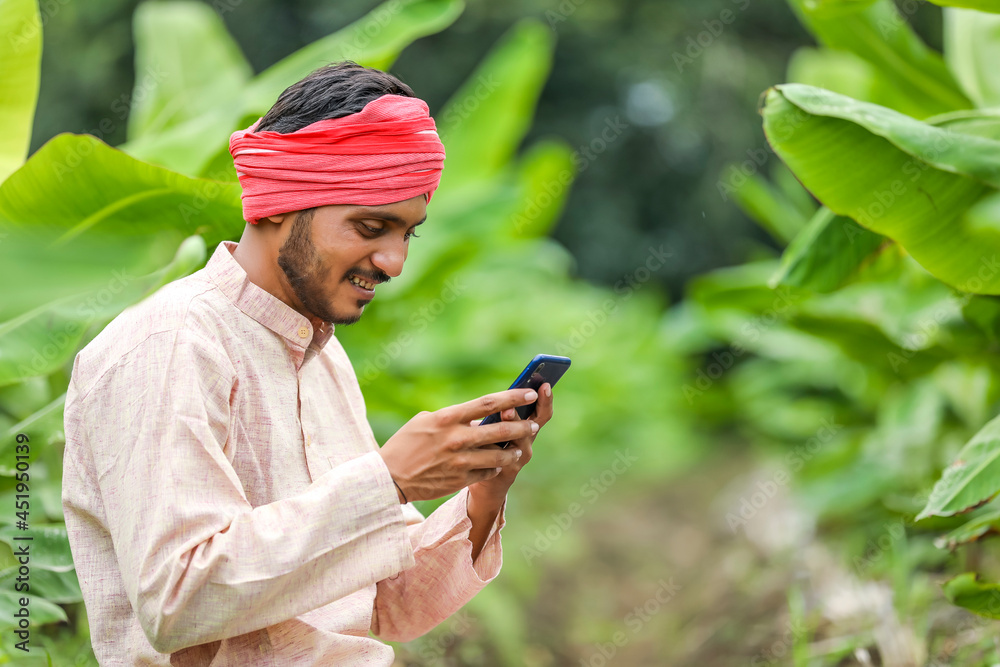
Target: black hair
332 91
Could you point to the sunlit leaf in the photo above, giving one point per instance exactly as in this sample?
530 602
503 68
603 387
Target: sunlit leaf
924 187
880 35
21 58
186 64
47 544
374 40
486 119
40 610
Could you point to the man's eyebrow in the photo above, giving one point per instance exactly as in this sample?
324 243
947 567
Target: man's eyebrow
388 216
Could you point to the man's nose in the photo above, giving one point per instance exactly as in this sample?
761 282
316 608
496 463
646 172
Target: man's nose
390 258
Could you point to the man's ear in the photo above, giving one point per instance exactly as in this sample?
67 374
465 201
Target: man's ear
277 218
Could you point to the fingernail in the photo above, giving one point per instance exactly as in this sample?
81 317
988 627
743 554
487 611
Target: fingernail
498 470
517 454
531 395
547 390
534 427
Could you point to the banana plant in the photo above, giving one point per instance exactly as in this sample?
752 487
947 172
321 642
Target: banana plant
891 278
87 230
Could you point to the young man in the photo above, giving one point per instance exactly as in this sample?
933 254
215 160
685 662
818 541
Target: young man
225 498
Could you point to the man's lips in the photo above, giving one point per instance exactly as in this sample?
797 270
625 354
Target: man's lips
363 285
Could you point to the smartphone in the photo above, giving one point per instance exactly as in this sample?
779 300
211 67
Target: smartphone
543 368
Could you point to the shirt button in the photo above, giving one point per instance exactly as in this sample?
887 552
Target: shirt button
303 332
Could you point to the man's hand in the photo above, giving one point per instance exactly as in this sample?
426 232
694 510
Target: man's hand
494 489
440 452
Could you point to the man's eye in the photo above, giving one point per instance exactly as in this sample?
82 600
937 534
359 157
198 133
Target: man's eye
369 229
411 235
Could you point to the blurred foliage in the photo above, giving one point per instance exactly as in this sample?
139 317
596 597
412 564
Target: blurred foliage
595 154
90 230
654 183
879 317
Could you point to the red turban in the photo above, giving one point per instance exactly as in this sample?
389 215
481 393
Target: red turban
385 153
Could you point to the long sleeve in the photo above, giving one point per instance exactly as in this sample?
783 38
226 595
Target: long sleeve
198 562
444 577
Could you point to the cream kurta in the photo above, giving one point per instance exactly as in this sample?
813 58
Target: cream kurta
225 499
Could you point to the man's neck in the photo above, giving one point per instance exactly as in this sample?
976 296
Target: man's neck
257 253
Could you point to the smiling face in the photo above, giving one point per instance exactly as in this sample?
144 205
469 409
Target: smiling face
330 249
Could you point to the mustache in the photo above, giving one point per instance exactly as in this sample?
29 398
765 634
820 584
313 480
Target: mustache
376 276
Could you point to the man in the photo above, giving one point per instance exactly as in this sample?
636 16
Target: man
225 498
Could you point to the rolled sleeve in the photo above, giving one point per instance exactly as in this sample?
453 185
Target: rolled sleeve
443 578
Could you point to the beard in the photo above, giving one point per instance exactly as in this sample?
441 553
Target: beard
307 274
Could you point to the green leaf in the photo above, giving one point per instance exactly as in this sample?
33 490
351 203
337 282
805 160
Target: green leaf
82 216
40 610
968 592
485 121
877 33
42 340
78 182
186 64
25 398
58 587
972 480
981 526
545 173
374 40
21 55
920 185
826 253
38 427
48 545
977 122
845 73
972 47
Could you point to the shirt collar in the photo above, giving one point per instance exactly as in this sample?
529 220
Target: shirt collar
257 303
